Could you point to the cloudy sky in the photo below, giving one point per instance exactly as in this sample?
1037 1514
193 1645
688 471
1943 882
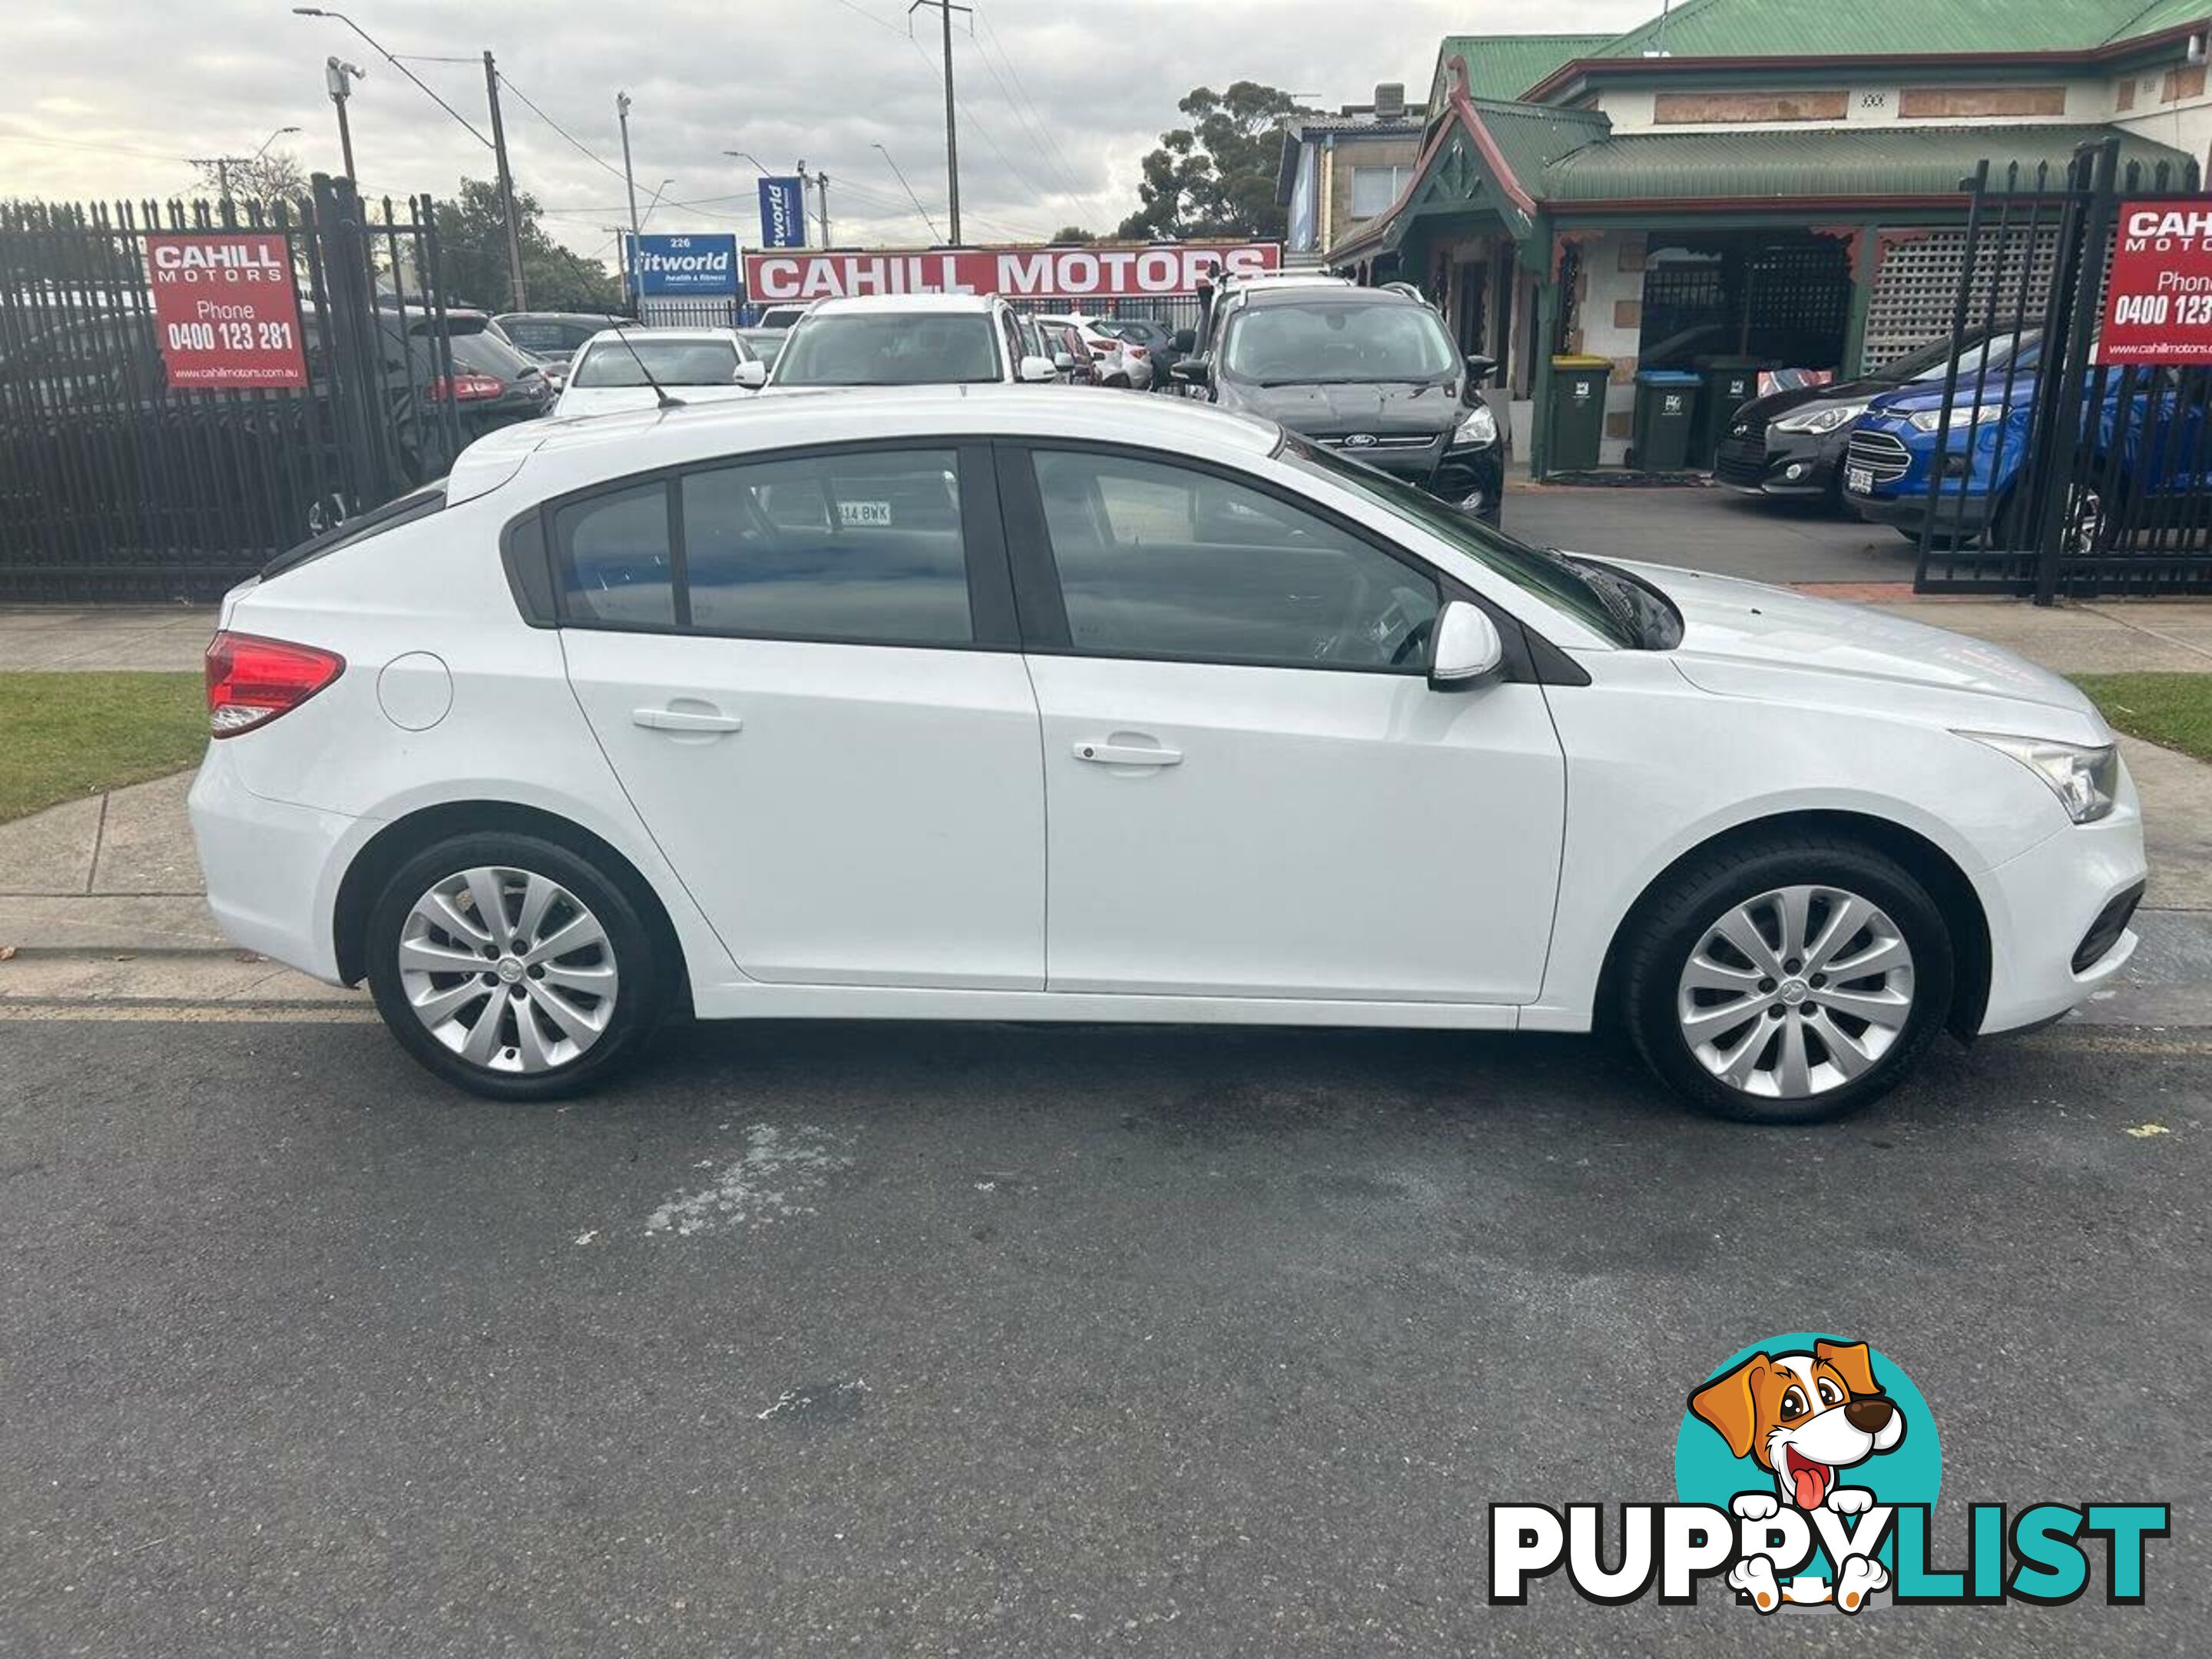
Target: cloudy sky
1059 100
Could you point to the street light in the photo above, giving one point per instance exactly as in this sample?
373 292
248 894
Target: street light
223 164
269 140
496 144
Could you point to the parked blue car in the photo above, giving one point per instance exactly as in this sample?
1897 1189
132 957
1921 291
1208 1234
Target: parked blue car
2145 439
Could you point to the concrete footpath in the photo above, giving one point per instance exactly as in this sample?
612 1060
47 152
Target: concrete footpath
100 899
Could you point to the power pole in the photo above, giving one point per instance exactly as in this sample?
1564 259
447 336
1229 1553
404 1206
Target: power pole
822 193
945 9
506 188
630 279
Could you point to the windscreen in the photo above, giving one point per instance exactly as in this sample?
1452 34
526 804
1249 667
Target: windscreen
890 349
1320 340
671 362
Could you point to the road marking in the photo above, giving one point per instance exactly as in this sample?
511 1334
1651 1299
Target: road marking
201 1013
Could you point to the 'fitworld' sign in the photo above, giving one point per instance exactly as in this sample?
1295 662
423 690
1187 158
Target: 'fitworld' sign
699 266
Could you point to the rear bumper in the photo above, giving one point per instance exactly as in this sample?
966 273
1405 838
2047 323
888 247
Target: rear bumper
2045 905
273 870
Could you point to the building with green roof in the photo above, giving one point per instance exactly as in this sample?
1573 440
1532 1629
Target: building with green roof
1773 181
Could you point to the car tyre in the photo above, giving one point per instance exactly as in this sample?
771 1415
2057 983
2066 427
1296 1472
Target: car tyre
568 983
1752 931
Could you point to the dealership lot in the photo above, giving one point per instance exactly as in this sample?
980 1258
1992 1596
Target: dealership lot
1019 1342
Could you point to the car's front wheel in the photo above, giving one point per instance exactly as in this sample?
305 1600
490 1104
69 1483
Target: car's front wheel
513 967
1788 982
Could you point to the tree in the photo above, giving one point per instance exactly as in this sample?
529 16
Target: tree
1074 233
261 180
1217 176
472 246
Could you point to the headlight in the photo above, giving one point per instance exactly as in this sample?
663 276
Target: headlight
1819 420
1928 420
1477 425
2084 779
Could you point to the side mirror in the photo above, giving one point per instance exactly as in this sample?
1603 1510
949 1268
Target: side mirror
1036 368
1479 367
1186 339
753 374
1063 363
1192 371
1469 650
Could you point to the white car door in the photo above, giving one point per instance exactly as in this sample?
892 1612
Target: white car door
805 672
1251 789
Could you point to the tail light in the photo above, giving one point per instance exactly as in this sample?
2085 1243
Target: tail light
1135 350
1101 349
466 388
250 680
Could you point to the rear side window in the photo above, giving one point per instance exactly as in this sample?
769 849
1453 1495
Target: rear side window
861 547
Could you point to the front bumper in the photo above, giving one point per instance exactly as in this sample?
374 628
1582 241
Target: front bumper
1958 514
2043 905
1786 464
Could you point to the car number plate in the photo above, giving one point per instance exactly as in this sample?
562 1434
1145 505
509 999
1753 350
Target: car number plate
1859 479
868 513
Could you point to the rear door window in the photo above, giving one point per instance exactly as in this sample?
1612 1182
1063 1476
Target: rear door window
863 547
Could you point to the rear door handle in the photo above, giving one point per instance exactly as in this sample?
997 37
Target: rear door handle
1103 753
684 719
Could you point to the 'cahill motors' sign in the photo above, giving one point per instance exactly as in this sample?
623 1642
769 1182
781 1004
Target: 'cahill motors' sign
1128 272
2157 300
226 313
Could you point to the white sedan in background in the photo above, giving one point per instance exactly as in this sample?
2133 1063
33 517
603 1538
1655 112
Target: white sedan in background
617 369
1008 705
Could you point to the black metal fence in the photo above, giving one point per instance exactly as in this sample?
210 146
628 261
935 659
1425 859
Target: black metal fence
2050 473
115 484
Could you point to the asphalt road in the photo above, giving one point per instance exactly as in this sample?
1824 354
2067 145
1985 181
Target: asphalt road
996 1340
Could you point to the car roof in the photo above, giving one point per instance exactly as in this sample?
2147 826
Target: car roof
1296 294
858 304
564 452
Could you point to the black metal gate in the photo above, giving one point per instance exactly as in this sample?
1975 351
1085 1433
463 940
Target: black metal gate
2041 471
114 484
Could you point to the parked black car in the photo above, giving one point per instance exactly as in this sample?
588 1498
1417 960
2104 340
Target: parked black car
494 385
1371 373
1790 444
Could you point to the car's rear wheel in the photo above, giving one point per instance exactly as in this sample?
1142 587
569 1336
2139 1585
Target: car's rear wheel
1789 981
513 967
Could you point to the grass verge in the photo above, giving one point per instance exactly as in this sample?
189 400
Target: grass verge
74 735
2171 710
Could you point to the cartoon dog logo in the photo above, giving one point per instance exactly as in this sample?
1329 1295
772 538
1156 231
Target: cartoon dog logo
1803 1418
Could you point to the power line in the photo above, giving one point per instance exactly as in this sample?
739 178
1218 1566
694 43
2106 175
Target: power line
582 148
1032 124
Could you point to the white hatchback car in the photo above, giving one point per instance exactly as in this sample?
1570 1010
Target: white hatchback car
619 369
907 339
952 704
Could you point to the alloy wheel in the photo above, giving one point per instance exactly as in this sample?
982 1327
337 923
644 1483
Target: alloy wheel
2085 521
508 969
1797 992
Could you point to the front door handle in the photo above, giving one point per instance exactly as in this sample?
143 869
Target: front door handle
684 720
1103 753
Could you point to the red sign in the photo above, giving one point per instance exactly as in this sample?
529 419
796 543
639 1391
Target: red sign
2157 300
225 308
1105 272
